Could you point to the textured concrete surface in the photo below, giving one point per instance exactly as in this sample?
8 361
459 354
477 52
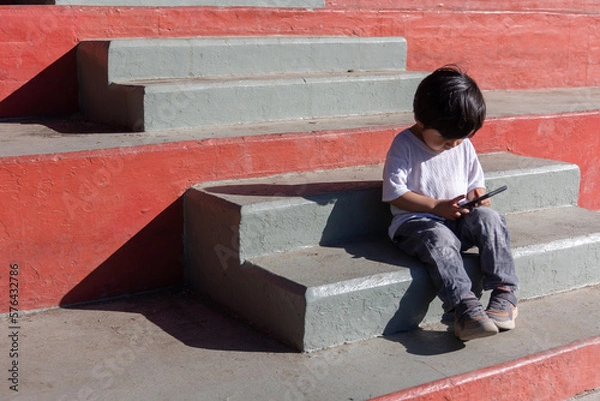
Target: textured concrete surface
184 83
296 255
169 346
362 289
558 100
590 395
177 104
292 211
210 57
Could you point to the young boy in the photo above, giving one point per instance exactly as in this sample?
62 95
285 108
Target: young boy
429 171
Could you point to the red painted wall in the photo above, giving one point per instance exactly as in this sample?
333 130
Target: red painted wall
96 224
562 6
502 49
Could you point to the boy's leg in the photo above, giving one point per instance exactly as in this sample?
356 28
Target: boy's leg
486 228
439 249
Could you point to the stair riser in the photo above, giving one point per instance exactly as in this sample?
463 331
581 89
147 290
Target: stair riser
185 105
538 189
247 56
375 312
323 221
327 320
557 267
370 312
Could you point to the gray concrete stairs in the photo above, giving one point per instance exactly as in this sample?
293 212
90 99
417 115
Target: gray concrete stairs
305 256
179 83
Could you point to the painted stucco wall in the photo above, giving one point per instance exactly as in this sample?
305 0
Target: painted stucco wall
503 50
95 224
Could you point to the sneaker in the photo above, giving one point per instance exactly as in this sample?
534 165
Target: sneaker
502 308
471 321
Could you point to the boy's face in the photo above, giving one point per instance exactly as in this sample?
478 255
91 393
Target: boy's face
436 142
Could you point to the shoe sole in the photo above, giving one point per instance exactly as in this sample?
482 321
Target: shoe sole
505 325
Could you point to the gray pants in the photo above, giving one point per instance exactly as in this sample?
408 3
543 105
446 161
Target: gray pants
438 244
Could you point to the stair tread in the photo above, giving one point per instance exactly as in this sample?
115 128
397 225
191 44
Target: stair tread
378 261
552 225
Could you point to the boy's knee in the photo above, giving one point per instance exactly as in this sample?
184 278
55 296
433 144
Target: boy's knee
431 237
444 240
483 220
485 214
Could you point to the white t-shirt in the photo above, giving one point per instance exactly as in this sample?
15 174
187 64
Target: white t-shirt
412 166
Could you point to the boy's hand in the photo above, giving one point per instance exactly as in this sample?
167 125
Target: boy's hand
477 192
450 209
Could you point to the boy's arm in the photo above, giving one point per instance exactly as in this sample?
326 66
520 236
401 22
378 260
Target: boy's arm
446 208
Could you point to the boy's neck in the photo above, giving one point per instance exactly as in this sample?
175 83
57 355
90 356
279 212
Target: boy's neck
417 131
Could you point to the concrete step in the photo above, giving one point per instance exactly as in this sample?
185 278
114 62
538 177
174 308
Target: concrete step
324 296
165 84
287 212
173 104
299 257
123 346
589 395
124 60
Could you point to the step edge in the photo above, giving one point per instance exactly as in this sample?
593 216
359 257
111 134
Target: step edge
428 390
355 285
556 167
556 245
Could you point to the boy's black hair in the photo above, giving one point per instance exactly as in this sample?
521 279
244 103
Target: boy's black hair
449 101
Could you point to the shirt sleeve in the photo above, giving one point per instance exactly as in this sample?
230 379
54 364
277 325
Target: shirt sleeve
475 174
395 172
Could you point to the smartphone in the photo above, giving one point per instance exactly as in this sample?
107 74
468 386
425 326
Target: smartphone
473 202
